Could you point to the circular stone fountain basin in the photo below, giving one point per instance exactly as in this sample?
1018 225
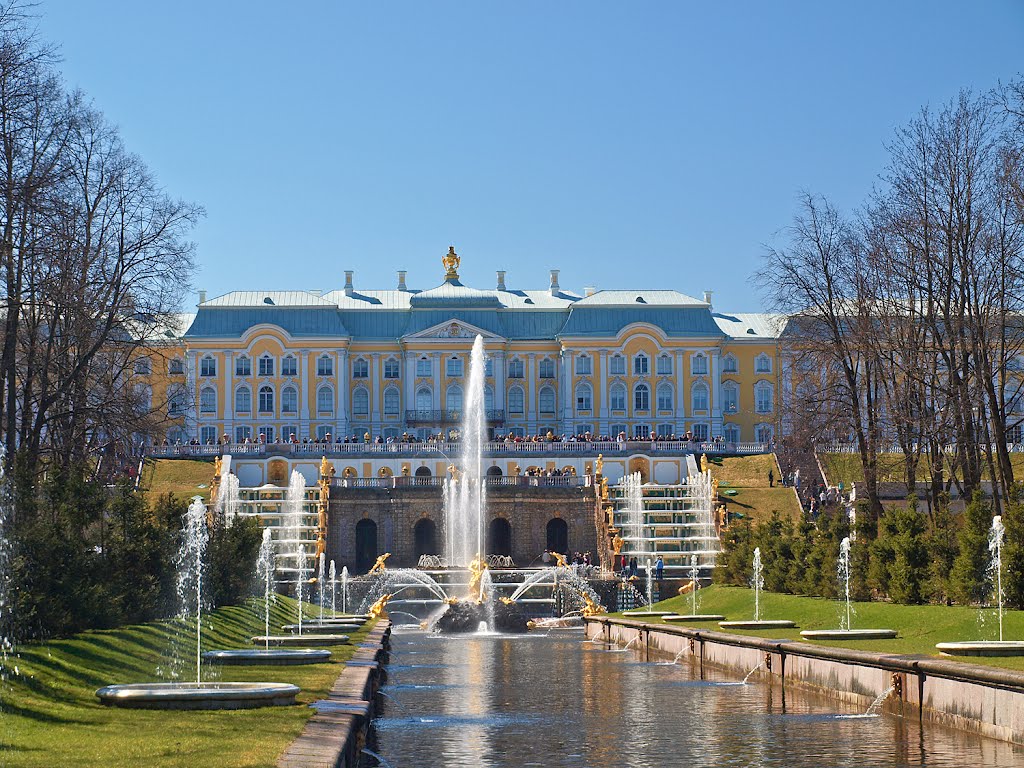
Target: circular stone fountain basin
198 695
647 614
270 657
760 624
696 617
313 627
848 634
301 640
983 648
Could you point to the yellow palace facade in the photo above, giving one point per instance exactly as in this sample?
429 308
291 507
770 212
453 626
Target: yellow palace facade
270 365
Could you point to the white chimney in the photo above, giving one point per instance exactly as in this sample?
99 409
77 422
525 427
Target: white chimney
707 298
501 280
401 280
202 296
348 282
554 283
589 290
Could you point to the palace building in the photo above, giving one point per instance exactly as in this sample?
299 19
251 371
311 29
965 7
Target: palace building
393 362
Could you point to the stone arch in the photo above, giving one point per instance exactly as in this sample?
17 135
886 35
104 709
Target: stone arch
641 465
366 544
424 535
494 471
499 537
557 536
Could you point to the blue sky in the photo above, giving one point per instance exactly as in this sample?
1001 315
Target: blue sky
641 144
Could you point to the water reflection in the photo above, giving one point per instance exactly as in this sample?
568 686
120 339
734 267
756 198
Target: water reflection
544 701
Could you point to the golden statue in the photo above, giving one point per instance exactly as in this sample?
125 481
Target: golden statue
454 472
517 470
617 544
325 467
217 462
703 462
560 561
476 570
378 608
604 488
379 566
451 262
590 608
600 463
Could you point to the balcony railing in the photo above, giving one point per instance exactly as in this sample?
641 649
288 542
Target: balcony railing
496 481
448 417
451 449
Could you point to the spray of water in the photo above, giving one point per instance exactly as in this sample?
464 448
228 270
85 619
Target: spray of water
758 583
344 589
265 569
844 578
293 519
190 561
693 576
995 550
334 588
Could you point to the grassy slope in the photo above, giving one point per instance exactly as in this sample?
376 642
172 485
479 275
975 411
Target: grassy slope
748 475
920 627
184 478
846 468
51 715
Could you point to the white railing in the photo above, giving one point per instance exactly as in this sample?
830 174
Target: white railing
493 481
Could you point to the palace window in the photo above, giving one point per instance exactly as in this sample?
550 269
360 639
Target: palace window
641 365
266 366
391 401
516 400
546 398
391 368
732 433
289 433
489 367
177 400
360 402
699 364
267 433
143 367
700 431
488 399
325 400
323 431
424 399
665 430
641 398
143 397
583 365
664 365
617 429
762 364
324 366
243 400
699 397
266 399
617 397
207 367
730 364
424 368
764 433
763 397
208 400
730 397
207 435
617 365
546 368
515 368
641 431
289 400
665 397
289 366
583 397
453 367
453 398
176 366
360 369
243 366
243 433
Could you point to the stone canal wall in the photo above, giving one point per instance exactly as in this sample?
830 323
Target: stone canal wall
972 697
334 737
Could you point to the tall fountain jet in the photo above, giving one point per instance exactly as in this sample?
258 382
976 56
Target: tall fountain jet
464 492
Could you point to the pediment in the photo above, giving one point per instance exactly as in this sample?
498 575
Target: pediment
452 329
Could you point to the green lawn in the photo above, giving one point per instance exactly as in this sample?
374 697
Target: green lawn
846 468
51 715
920 627
743 485
184 478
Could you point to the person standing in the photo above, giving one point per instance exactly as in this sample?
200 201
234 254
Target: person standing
771 479
659 569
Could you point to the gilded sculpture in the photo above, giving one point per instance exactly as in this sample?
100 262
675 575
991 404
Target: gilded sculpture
451 262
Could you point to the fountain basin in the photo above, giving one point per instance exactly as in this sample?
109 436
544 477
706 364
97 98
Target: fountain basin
647 614
198 695
759 624
848 634
301 640
271 657
983 648
695 617
312 626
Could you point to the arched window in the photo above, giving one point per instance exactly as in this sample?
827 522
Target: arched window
583 397
366 544
424 399
763 397
557 536
546 397
617 397
546 368
730 397
762 364
266 365
664 365
243 400
207 366
177 400
493 471
360 402
516 400
424 535
266 399
324 366
730 364
391 368
289 366
499 537
641 398
699 397
422 472
583 365
617 365
515 368
289 400
360 369
208 400
641 364
488 398
699 364
764 433
665 397
453 398
391 401
732 433
325 400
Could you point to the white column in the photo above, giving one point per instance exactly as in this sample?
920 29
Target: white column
716 391
499 380
565 393
602 426
680 392
192 388
375 394
436 362
341 392
229 394
304 379
530 394
409 386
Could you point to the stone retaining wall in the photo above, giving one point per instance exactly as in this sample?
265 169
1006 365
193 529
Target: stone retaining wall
335 735
984 700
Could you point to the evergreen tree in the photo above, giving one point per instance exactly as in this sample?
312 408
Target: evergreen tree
968 578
